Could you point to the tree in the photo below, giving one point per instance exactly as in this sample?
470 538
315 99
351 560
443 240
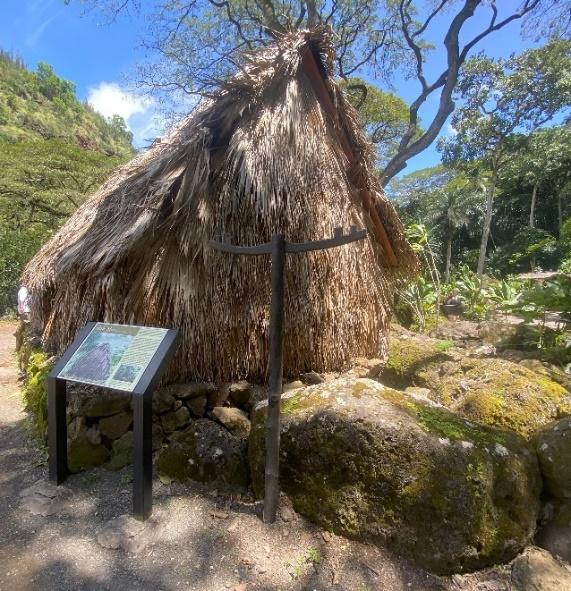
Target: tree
500 98
383 114
443 200
547 154
42 183
193 43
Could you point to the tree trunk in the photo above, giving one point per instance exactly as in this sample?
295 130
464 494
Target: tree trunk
559 212
487 223
532 207
448 256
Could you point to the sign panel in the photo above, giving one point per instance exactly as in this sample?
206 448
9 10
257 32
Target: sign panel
113 355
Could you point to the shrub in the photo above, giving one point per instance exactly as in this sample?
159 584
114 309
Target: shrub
35 389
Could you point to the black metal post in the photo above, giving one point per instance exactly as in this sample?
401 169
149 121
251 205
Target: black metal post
278 248
142 455
272 490
57 430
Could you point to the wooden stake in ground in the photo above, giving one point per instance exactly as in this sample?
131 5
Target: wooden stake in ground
278 248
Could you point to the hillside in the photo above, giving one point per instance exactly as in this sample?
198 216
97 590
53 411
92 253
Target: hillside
39 106
54 152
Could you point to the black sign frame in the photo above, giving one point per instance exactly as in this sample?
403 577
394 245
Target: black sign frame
142 401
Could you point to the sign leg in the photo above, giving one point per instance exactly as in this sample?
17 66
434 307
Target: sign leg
142 456
57 430
272 488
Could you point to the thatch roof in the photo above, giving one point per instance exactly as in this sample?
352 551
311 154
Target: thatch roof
277 149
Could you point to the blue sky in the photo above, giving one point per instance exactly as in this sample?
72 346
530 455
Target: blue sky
99 58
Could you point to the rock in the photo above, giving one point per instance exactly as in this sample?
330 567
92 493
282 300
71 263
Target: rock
123 532
40 505
163 400
43 488
484 351
191 390
158 436
121 452
76 427
93 435
418 391
234 419
538 570
548 370
206 452
240 393
373 464
217 398
462 332
83 453
361 367
104 403
292 385
43 498
259 393
553 444
493 391
407 354
197 406
175 420
312 377
287 514
115 426
555 535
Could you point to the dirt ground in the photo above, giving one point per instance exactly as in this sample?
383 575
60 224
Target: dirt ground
197 539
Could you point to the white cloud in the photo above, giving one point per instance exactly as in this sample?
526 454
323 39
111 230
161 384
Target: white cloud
449 131
109 99
139 112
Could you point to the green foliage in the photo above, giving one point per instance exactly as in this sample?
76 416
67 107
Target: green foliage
54 152
40 105
42 183
35 390
502 99
470 289
384 115
529 248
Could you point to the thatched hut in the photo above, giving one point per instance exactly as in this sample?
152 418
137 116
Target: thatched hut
276 149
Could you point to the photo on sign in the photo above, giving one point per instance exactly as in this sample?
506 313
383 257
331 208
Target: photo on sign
99 356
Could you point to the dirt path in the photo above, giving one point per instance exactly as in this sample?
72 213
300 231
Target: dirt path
198 539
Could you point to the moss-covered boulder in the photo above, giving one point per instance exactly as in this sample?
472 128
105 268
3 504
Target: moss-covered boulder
408 353
495 392
554 453
206 452
121 452
374 464
84 446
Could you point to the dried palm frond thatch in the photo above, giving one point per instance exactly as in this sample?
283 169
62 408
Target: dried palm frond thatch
277 149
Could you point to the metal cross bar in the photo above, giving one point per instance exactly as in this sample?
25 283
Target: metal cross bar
339 239
278 248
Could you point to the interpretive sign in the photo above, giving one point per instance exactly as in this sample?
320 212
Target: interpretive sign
117 357
114 356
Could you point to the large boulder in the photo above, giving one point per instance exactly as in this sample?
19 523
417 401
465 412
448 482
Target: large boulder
495 392
408 353
94 402
555 534
375 464
206 452
84 446
554 453
538 570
